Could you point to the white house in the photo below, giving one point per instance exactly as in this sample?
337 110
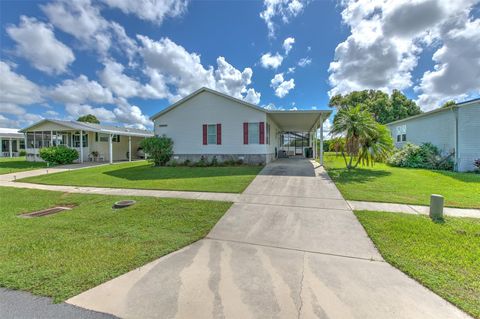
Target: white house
212 124
99 142
11 142
454 130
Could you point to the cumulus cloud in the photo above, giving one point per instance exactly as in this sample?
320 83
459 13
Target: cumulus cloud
303 62
77 110
130 114
288 44
79 91
151 10
252 96
36 42
280 10
184 73
17 89
84 21
387 37
269 60
281 86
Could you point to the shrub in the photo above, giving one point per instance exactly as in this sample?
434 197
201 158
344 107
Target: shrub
58 155
214 161
22 153
187 162
229 162
202 162
159 149
477 165
172 163
239 162
426 155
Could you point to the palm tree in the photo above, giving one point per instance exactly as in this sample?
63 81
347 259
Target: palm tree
365 139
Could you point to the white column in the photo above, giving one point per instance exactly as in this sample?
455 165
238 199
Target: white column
1 147
51 138
81 146
110 149
10 147
34 148
321 141
129 148
145 153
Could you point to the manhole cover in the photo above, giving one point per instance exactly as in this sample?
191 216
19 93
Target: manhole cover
124 203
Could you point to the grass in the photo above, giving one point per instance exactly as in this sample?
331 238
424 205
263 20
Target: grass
442 256
382 183
18 164
67 253
142 175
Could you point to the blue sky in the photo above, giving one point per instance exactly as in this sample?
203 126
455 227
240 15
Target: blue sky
126 60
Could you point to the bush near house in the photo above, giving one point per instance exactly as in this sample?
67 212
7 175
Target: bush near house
426 155
58 155
159 149
477 165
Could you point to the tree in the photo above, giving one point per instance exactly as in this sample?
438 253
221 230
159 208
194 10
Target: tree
448 103
364 140
384 108
159 149
89 118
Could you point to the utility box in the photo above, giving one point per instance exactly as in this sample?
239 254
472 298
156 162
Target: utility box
436 207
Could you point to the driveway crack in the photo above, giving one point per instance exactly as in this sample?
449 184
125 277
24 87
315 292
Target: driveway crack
301 287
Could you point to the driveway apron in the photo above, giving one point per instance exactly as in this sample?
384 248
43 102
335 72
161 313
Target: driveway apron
290 248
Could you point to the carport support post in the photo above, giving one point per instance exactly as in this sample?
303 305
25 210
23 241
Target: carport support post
110 149
1 147
321 140
10 147
81 146
129 148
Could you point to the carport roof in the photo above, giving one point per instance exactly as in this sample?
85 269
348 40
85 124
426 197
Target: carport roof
92 127
298 120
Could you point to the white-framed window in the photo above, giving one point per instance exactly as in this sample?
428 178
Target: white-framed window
212 134
253 133
401 133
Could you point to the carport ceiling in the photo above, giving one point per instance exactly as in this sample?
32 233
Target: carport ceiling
299 121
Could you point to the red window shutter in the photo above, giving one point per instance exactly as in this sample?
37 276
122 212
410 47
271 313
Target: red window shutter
204 134
245 133
219 134
262 132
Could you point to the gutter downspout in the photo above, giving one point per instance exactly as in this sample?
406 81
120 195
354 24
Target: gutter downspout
455 114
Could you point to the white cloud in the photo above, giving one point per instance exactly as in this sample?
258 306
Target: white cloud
10 108
303 62
17 89
77 110
84 21
271 61
130 114
8 123
456 74
281 86
387 37
151 10
280 9
184 73
288 44
252 96
291 70
51 113
36 42
80 91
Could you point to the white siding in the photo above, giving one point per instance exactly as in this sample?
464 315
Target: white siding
274 137
184 125
468 136
437 128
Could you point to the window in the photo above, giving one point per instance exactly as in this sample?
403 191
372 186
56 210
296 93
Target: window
76 140
399 138
104 137
401 133
253 133
212 134
404 137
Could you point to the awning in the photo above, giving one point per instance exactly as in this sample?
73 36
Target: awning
299 120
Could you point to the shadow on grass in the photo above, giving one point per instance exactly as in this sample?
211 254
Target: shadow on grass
143 173
357 175
462 177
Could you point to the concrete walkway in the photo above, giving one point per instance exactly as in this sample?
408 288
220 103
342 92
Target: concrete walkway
274 254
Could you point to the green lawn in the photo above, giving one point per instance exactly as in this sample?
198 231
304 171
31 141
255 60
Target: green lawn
442 256
382 183
18 164
143 175
64 254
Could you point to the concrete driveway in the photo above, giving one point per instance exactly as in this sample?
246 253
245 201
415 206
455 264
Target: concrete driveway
291 248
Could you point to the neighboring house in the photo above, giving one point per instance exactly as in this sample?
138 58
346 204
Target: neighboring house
100 142
11 142
212 124
454 130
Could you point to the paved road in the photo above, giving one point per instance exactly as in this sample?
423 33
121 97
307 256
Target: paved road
23 305
291 249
